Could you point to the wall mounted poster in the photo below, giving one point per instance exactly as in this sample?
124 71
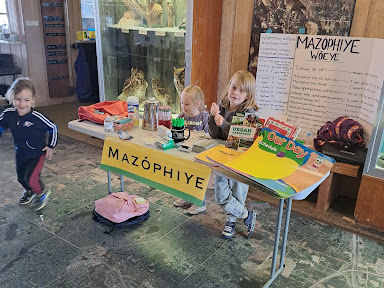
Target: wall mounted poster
311 79
312 17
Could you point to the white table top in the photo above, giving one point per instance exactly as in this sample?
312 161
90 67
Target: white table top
140 137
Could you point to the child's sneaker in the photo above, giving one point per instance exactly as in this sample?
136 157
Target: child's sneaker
40 200
194 209
180 203
229 230
27 197
250 223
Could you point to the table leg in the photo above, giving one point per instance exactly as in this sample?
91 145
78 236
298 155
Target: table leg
109 182
285 233
275 273
121 183
277 237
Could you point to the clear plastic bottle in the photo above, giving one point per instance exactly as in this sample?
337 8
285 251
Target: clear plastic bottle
133 109
108 126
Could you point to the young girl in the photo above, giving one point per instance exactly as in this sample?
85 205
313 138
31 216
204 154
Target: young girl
29 129
238 97
192 104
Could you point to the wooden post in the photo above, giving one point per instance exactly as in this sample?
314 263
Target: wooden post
206 46
235 39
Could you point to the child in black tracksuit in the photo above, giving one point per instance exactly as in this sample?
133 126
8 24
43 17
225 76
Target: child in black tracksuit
29 129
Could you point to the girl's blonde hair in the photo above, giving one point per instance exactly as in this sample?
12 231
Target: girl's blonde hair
248 85
19 85
197 94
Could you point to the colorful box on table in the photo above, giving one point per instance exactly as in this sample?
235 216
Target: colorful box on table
122 123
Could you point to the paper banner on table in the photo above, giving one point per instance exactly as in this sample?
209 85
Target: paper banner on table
280 164
174 175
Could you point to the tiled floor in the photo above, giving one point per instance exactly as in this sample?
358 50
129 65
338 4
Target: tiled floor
63 247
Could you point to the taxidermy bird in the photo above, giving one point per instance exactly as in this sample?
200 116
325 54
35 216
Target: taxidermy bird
178 81
160 92
137 6
135 85
183 24
170 13
154 13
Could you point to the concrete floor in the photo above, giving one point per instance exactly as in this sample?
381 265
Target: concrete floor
63 247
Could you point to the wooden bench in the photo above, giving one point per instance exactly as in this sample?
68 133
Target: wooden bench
327 193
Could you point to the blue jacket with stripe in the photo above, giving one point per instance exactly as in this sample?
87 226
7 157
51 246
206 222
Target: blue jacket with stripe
29 132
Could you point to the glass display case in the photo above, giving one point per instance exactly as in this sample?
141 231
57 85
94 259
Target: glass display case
374 165
141 50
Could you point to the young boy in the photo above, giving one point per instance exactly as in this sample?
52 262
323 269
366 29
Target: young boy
29 129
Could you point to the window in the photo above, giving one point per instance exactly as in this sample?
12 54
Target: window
4 22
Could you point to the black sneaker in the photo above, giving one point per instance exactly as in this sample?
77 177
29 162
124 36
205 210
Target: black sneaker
250 223
27 197
229 230
40 200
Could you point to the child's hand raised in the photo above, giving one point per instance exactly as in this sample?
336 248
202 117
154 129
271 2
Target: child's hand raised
219 119
215 109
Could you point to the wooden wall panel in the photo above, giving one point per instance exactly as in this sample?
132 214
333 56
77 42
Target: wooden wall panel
235 39
206 46
360 18
370 203
368 19
226 47
242 35
24 60
73 8
375 22
33 39
55 45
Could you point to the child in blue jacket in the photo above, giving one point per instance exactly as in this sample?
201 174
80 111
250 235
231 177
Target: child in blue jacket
29 129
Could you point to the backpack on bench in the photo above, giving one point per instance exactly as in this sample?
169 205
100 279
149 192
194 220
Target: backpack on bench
120 209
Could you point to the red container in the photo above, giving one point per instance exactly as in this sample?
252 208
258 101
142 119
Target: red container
166 123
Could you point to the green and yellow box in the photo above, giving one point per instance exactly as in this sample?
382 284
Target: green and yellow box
82 35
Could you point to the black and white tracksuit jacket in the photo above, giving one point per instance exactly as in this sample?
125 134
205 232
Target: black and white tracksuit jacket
29 132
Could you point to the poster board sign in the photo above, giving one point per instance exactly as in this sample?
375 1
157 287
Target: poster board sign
180 177
286 168
312 79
